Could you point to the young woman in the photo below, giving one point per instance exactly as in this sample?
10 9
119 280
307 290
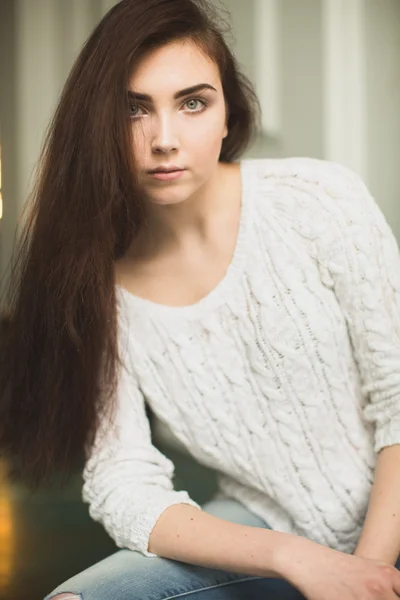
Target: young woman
254 305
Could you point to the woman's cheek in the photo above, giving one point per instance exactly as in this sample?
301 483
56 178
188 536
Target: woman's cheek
205 134
141 139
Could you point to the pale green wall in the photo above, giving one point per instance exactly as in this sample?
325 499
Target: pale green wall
300 66
383 102
7 131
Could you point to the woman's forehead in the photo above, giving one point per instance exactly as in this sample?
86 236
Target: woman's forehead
175 66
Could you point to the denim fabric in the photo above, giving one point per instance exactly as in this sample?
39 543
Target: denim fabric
127 575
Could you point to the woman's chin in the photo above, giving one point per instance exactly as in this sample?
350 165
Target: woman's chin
166 200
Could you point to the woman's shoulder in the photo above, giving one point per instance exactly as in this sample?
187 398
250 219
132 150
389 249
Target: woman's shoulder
308 187
316 198
300 171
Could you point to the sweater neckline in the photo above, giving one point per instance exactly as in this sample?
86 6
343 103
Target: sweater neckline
221 291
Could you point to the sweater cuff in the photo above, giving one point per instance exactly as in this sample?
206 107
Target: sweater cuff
148 519
387 435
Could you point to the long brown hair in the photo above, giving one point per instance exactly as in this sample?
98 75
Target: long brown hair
59 352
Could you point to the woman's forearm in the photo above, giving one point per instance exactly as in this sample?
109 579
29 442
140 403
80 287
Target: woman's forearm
187 534
380 537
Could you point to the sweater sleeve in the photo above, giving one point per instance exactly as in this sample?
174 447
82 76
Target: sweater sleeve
127 481
362 262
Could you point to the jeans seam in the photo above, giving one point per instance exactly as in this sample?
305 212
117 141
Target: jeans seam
211 587
52 596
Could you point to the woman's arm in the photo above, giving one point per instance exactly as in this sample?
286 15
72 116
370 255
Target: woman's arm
361 261
190 535
380 538
187 534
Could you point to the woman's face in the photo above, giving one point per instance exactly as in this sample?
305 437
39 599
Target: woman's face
173 126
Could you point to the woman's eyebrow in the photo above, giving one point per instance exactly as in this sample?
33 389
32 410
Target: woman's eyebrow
190 90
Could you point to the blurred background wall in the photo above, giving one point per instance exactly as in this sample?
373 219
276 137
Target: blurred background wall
327 71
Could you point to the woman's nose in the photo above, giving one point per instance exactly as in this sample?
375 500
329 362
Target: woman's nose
165 136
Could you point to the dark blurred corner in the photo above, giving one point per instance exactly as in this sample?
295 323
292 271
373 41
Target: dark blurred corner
48 536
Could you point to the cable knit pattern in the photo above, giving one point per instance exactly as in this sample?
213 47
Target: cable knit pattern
285 378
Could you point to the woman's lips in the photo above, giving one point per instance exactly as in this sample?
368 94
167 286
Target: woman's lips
167 175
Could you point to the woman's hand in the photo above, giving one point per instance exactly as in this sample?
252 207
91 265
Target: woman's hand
321 573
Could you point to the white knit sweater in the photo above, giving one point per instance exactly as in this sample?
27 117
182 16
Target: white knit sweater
285 378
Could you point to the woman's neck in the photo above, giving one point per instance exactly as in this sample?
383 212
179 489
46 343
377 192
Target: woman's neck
169 228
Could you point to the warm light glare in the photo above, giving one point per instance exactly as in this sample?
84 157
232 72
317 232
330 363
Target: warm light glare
7 532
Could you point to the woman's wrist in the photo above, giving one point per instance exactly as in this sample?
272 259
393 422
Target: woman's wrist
292 555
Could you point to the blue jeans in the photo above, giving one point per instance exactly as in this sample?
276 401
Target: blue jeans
127 575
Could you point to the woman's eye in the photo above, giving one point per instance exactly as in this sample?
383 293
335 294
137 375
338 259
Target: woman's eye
195 105
134 110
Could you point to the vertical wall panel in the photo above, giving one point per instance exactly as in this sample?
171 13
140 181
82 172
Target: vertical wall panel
345 115
36 84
